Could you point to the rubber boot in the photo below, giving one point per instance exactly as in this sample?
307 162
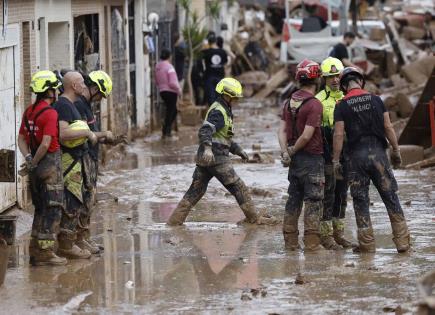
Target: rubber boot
68 248
401 236
87 234
326 238
83 243
180 213
312 226
249 212
290 232
43 254
366 241
338 227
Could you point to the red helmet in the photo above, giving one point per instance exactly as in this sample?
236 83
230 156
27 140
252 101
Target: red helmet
307 70
348 74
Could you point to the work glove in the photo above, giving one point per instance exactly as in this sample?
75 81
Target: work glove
207 157
116 140
396 158
28 164
109 136
244 156
285 159
338 170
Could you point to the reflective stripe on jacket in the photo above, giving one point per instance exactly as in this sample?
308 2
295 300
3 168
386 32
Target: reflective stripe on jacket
225 134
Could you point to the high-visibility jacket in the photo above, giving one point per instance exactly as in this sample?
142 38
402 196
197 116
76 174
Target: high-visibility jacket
225 134
329 99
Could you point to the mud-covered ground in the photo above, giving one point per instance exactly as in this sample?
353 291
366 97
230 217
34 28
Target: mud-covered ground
211 265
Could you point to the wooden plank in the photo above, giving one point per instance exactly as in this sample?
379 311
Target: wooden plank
417 130
400 43
422 164
240 52
275 81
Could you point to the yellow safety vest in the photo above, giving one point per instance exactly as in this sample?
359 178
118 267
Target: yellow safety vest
329 99
225 134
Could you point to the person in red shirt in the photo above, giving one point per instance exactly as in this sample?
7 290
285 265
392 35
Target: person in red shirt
38 141
301 143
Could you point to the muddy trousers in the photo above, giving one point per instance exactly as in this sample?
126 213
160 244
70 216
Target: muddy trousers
367 163
170 99
89 170
201 177
307 180
334 210
48 197
73 189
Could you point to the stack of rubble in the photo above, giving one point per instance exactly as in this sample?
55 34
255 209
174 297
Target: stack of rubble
399 65
256 47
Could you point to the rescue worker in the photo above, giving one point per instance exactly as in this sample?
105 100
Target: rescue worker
74 134
335 200
300 139
368 127
340 51
38 142
98 86
215 144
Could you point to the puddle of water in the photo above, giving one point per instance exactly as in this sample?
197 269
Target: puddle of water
206 266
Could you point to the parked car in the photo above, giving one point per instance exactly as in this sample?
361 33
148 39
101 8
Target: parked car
316 45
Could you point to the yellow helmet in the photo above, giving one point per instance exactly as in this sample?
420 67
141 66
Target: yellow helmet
230 87
103 81
331 66
44 80
77 125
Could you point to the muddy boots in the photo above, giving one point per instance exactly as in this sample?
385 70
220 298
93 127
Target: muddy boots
85 244
252 217
326 237
68 248
338 227
42 253
180 213
290 232
366 241
401 235
312 225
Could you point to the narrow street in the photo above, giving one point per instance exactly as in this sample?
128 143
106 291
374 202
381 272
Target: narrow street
212 265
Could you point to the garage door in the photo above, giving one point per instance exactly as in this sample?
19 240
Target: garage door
9 59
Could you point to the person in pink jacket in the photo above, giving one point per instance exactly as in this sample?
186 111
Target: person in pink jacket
169 88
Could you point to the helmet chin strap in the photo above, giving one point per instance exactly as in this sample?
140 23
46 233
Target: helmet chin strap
91 96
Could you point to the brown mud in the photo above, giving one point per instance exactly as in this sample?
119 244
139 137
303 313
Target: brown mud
211 265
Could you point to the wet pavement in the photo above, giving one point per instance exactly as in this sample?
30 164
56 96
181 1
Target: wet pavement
211 265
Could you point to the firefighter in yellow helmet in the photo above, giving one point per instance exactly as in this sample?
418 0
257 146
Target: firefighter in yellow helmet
215 144
74 137
38 142
334 203
98 86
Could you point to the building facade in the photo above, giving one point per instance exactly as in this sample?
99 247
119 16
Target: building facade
70 34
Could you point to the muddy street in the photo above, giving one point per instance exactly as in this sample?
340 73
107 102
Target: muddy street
212 265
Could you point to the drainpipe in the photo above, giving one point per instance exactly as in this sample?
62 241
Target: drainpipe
5 14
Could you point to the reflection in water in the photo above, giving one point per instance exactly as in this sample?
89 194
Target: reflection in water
204 266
